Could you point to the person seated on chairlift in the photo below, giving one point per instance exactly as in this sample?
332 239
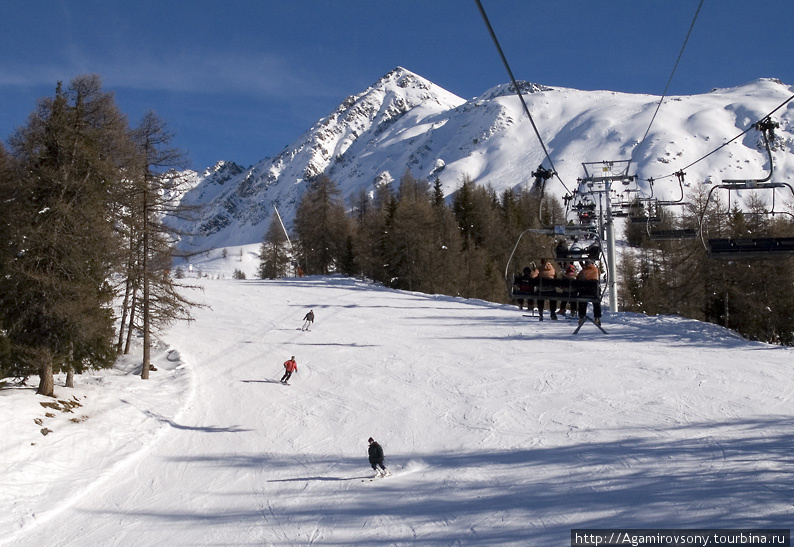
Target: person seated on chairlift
569 275
547 271
589 273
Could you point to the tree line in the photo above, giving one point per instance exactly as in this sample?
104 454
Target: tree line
412 237
408 237
754 297
82 201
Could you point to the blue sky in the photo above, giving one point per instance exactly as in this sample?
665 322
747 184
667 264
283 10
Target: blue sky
241 79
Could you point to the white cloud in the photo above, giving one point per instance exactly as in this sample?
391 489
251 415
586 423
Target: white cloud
194 71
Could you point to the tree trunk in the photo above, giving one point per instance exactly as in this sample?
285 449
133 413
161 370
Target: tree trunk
70 378
131 323
124 310
147 341
46 379
130 290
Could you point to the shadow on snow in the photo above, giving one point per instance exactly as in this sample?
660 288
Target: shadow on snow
728 474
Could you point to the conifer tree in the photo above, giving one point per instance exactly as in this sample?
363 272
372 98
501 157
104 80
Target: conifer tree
369 234
152 195
445 258
322 226
273 255
438 199
56 295
410 243
463 207
348 264
7 368
477 211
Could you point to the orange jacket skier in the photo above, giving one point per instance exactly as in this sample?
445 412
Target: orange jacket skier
290 366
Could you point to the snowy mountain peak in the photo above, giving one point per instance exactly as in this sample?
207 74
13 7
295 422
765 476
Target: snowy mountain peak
369 112
405 122
404 78
509 90
387 100
223 169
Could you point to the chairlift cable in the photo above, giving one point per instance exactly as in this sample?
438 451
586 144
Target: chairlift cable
669 81
518 90
726 143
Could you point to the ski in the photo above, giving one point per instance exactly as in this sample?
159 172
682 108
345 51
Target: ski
587 318
377 477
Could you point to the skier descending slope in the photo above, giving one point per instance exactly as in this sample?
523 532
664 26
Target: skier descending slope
376 458
290 366
308 320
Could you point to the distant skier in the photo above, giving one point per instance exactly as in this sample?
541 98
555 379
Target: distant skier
376 458
290 366
308 320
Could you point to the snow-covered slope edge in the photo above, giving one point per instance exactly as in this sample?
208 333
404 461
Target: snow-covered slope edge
499 430
57 451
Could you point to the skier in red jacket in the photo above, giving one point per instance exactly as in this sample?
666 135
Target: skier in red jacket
291 366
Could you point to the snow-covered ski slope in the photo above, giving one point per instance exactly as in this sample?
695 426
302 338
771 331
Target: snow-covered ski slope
499 430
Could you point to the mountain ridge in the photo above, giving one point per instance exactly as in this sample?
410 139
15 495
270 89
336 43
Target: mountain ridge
405 122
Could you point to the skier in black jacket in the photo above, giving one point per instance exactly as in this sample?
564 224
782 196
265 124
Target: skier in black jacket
308 320
376 458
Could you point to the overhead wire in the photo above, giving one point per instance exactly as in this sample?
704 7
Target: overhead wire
669 81
661 100
658 106
726 143
518 89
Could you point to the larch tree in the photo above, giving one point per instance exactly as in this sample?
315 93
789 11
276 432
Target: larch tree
274 258
152 196
56 295
409 241
369 230
445 259
322 226
8 366
476 210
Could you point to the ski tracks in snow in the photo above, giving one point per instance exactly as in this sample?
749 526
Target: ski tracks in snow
494 434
